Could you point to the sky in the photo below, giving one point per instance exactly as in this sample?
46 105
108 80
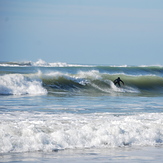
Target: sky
113 32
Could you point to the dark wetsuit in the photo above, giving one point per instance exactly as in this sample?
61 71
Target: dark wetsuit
117 81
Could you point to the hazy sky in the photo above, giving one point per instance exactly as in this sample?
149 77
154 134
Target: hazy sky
82 31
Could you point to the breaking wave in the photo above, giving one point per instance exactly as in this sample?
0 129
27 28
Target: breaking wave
95 82
90 80
40 63
84 81
17 84
52 132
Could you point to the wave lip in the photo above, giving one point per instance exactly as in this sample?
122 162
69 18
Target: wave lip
17 84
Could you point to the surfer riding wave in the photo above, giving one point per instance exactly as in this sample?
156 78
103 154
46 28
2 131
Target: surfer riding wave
117 81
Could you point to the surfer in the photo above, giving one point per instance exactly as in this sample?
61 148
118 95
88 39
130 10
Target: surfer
117 81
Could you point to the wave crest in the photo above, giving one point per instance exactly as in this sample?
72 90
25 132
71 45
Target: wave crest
40 63
89 81
17 84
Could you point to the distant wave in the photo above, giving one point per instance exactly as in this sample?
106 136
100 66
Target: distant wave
40 63
16 64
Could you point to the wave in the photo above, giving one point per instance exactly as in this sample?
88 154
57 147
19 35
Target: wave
16 64
54 132
17 84
40 63
84 81
95 82
91 82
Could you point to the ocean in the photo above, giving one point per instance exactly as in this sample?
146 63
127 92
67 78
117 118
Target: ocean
59 112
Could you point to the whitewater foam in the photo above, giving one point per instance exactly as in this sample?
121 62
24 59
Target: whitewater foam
92 74
42 63
17 84
25 132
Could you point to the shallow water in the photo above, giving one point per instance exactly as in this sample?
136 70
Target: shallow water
119 155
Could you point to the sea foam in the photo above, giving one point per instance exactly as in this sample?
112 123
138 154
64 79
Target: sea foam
17 84
26 132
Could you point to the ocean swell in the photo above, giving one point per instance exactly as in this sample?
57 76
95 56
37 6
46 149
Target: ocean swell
91 82
94 81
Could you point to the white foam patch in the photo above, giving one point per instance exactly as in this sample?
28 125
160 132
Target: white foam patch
42 63
25 132
93 74
17 84
124 89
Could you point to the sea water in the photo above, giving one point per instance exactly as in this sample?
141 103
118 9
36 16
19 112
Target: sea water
59 112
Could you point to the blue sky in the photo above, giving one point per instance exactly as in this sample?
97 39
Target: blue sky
113 32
